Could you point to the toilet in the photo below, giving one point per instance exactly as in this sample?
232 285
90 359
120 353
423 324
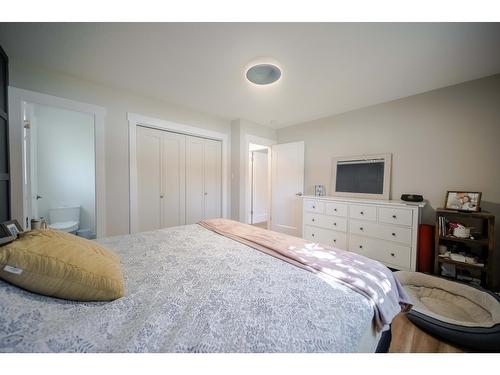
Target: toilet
66 219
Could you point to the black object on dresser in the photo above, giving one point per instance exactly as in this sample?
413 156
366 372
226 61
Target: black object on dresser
471 258
4 138
412 197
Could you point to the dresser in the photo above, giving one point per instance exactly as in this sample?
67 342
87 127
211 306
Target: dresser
384 230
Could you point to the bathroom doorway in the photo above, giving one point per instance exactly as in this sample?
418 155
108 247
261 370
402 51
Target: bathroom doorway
62 168
57 159
258 185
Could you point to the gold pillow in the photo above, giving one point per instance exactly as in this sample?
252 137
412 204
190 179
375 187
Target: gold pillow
62 265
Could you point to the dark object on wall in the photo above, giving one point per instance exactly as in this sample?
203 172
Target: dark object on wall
425 253
4 139
412 198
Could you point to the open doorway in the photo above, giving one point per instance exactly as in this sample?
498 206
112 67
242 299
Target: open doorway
258 185
60 159
57 155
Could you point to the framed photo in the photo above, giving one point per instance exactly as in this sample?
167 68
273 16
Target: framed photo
463 201
11 228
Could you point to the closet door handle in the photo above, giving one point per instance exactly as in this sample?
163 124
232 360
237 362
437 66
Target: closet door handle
205 193
162 196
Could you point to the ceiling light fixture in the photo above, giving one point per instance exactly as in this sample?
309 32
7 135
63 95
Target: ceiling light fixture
263 74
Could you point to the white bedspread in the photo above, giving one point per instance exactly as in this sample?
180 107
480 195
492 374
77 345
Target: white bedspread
191 290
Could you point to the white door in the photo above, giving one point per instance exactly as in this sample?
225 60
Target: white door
287 186
173 179
260 187
149 181
212 179
195 201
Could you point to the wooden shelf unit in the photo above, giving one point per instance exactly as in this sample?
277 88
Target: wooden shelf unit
482 245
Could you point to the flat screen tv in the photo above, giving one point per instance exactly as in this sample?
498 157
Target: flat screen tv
365 176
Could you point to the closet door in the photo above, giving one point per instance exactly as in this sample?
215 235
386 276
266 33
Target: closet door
149 179
173 175
212 180
194 179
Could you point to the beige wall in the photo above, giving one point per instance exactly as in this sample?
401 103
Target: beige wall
440 140
117 103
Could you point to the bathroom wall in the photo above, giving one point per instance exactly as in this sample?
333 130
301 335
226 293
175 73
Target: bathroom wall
64 159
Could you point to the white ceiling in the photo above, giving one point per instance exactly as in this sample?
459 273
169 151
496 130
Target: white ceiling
327 68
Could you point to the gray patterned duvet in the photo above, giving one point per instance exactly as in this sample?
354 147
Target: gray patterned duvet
191 290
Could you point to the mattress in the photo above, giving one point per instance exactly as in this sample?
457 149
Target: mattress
191 290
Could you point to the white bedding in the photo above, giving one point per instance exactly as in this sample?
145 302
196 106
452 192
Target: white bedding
191 290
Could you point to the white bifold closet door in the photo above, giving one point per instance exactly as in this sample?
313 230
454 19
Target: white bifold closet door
178 179
203 179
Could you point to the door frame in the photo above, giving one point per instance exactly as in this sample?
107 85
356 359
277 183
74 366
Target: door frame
245 191
135 120
21 186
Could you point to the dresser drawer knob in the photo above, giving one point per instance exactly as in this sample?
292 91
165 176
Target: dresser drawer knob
360 228
394 234
393 255
312 219
360 246
335 224
334 240
362 213
314 206
312 234
335 209
393 216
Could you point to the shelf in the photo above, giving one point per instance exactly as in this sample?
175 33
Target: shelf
461 264
480 241
479 215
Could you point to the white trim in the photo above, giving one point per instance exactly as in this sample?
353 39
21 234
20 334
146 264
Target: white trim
245 170
135 120
17 99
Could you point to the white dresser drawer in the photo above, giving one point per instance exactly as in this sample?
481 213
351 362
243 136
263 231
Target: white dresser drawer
382 231
325 237
395 216
363 212
314 206
336 209
386 252
327 222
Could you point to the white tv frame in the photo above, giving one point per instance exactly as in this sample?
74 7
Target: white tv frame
387 176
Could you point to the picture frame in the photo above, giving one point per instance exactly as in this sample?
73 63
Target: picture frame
469 201
10 228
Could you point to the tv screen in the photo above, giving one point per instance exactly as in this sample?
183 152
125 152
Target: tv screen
360 176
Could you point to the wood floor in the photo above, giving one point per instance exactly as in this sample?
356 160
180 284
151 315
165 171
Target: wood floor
407 338
261 225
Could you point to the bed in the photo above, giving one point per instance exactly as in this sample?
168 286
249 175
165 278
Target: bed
192 290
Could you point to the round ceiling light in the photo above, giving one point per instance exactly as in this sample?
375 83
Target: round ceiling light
263 74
